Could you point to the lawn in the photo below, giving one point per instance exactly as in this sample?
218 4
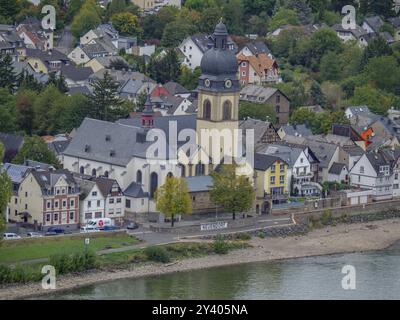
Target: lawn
29 249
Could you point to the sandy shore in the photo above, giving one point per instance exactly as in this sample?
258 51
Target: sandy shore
340 239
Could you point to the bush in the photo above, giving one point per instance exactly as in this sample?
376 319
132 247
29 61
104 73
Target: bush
158 254
77 262
220 245
19 274
261 235
243 236
326 217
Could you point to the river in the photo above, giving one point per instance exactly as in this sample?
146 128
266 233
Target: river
377 277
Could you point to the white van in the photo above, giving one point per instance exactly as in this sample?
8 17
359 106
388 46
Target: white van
11 236
99 223
88 229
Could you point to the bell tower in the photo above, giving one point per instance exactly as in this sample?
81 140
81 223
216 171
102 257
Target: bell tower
219 90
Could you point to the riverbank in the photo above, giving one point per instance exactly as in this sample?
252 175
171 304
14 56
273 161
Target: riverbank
344 238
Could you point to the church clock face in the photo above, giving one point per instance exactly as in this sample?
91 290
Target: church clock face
228 84
207 83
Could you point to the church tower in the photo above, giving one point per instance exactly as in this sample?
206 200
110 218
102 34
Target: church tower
218 99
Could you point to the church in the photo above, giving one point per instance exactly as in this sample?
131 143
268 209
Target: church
124 150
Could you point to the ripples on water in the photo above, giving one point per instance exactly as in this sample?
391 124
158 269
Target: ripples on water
377 277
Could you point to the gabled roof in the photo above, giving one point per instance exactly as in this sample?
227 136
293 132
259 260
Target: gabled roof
354 150
357 32
58 146
264 161
257 47
105 185
297 130
16 172
76 74
337 168
48 179
374 22
204 42
175 88
378 159
286 153
93 49
323 151
12 144
135 190
51 55
395 22
260 63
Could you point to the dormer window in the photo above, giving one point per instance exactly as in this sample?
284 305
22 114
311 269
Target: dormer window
112 153
87 148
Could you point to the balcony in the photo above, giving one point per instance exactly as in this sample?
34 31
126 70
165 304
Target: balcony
303 175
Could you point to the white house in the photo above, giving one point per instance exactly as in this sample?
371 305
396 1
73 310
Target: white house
374 171
338 173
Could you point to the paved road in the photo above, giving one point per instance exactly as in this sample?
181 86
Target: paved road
156 238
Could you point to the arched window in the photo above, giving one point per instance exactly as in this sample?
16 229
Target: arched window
200 169
139 177
106 174
207 109
94 172
170 175
82 170
153 184
227 110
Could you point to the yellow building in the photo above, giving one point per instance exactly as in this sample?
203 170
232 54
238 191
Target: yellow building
144 4
271 181
219 90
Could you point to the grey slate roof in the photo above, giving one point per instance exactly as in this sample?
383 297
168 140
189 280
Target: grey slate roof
16 172
264 161
205 42
135 190
91 136
337 168
297 130
322 150
12 144
84 89
76 74
378 159
395 22
199 183
258 47
58 147
354 150
357 32
175 88
287 153
93 49
37 165
374 22
48 179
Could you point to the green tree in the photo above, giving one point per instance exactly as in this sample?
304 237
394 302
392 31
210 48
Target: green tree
165 68
8 121
173 198
76 108
25 111
188 78
8 79
282 17
330 69
233 13
58 81
384 73
376 48
317 95
104 101
232 191
35 148
154 24
303 10
321 42
126 23
6 188
378 101
257 111
87 18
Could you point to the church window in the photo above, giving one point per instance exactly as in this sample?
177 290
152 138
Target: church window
153 184
207 109
227 110
139 177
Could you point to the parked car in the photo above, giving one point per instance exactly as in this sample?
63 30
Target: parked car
56 230
132 226
110 228
34 235
88 229
11 236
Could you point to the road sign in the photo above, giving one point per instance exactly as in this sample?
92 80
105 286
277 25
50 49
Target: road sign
213 226
87 241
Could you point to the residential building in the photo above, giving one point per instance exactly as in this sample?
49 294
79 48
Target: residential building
264 132
46 62
199 191
373 24
194 47
255 48
34 36
100 63
144 4
258 69
270 181
270 96
395 22
338 173
101 198
12 144
294 130
176 89
84 53
299 174
375 172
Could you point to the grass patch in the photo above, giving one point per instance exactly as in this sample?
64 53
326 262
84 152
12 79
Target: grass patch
21 250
